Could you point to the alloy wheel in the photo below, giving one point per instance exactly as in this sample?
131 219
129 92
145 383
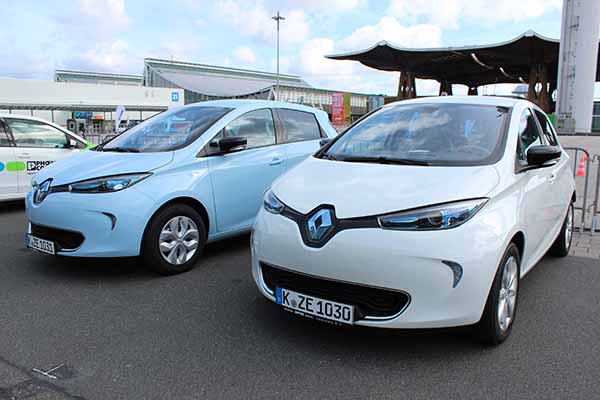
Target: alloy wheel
178 240
569 228
508 294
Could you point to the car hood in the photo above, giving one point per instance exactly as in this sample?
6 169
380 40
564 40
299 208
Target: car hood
361 189
93 164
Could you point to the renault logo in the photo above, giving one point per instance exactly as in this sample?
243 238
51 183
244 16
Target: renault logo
319 224
42 191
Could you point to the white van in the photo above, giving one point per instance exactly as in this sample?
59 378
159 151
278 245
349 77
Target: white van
28 144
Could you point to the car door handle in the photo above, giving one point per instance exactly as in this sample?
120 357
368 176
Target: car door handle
24 155
276 161
552 178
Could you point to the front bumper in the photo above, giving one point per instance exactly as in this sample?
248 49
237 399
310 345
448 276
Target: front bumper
112 224
415 263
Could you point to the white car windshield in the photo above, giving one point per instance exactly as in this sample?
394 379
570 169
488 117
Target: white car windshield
425 134
166 132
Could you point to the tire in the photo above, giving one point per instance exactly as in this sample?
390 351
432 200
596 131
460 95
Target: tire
490 329
177 227
562 244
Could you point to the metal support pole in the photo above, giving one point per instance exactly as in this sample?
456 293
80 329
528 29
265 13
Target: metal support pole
277 18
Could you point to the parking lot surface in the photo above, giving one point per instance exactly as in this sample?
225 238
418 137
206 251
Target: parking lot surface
114 331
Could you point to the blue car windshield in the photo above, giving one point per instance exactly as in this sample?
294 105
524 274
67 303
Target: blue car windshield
169 131
425 134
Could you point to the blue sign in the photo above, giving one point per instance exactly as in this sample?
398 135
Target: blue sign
83 115
174 96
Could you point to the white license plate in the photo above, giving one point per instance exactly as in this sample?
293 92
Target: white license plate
45 246
313 306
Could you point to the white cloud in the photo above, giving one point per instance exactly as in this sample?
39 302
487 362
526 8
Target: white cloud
451 13
328 7
244 55
310 63
390 29
254 20
115 56
109 14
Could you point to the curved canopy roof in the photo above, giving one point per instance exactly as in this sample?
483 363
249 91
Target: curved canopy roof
469 65
218 81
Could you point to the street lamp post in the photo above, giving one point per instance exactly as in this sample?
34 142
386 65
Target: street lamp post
277 18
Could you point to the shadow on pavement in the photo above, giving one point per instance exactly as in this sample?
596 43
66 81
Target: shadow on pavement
120 268
12 206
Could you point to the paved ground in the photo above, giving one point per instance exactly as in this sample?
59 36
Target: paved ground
122 333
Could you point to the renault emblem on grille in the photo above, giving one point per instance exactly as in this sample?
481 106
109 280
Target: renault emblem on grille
319 224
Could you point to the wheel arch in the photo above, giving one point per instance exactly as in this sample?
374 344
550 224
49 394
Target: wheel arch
519 240
189 201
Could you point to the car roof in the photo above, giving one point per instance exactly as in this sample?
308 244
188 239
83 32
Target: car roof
477 100
19 116
253 103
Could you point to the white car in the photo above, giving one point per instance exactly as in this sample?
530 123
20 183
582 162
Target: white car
425 214
27 145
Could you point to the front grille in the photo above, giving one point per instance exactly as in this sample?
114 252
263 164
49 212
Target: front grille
65 240
369 301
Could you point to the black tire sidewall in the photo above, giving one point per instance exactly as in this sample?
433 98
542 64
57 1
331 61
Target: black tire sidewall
559 247
489 328
150 253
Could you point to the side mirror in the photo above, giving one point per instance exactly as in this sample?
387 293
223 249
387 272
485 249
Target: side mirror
73 143
539 155
230 144
324 142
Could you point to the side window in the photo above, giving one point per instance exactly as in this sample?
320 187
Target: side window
298 125
36 134
256 126
529 135
4 142
547 128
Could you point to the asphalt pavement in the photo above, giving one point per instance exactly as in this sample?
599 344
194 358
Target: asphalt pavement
111 330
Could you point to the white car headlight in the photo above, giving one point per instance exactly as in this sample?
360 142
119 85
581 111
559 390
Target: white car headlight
272 203
107 184
442 216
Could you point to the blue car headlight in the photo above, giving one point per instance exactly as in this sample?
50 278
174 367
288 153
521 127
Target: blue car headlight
442 216
107 184
272 203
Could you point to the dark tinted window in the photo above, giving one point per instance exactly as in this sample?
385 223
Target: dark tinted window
27 133
529 134
547 128
168 131
299 125
256 126
437 134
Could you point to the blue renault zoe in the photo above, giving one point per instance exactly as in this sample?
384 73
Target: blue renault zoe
166 187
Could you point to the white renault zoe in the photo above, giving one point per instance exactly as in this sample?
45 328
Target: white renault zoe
424 214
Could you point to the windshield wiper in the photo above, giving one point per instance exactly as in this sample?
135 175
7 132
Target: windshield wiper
385 160
328 156
121 149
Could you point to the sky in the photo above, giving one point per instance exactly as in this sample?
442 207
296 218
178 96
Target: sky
37 37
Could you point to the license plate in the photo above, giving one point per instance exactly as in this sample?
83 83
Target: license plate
313 306
45 246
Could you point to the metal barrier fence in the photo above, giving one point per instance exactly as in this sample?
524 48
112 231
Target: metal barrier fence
576 172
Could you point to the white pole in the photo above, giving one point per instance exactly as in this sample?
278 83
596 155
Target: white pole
577 65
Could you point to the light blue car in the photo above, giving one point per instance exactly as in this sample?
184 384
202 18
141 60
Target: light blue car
166 187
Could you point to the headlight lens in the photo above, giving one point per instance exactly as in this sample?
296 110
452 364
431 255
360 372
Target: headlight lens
107 184
443 216
272 203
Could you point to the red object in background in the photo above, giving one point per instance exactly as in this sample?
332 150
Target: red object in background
581 167
337 108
